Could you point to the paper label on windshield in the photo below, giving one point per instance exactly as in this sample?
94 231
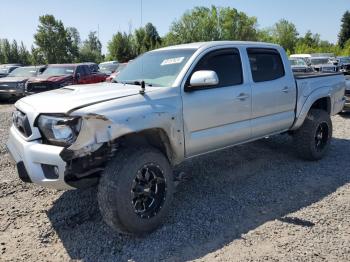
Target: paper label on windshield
172 61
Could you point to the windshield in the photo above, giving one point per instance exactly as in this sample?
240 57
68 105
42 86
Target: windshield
319 61
58 70
24 71
4 70
297 62
158 68
108 68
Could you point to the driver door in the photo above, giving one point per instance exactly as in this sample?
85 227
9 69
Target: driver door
218 116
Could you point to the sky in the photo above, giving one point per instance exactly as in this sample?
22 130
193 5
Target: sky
19 18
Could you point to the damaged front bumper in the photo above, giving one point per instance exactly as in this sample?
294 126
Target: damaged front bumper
37 163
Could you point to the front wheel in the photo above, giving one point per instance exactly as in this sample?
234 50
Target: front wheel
314 136
136 190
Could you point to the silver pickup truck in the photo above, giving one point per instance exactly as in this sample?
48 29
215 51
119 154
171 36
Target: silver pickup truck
167 106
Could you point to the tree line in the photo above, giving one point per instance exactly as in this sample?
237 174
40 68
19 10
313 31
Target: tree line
55 43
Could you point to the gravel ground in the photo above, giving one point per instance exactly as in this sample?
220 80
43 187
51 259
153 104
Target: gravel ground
254 202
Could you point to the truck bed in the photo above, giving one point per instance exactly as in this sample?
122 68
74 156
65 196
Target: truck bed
314 74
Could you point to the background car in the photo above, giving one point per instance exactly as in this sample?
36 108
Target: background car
108 67
322 65
344 64
299 65
94 68
5 69
61 75
347 95
116 72
13 84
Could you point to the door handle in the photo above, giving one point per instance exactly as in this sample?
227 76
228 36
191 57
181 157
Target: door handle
285 89
242 97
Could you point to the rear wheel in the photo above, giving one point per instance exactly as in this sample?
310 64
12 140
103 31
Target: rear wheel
314 136
136 190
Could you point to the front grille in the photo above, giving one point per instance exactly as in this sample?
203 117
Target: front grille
8 86
328 69
40 87
21 122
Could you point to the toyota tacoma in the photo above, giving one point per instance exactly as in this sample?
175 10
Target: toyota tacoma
165 107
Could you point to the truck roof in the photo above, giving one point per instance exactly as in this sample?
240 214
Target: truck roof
205 45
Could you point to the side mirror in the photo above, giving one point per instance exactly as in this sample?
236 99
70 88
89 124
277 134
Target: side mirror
203 78
78 76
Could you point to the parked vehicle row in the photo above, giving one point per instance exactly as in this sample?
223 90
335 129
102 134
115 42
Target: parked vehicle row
323 63
61 75
20 81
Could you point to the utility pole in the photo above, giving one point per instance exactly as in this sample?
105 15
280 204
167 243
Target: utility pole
141 13
98 31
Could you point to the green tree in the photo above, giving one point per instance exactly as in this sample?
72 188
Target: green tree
120 48
74 37
207 24
14 52
53 41
344 34
2 56
285 34
6 49
24 55
37 57
91 50
146 38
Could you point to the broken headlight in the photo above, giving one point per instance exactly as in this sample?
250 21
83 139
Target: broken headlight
60 131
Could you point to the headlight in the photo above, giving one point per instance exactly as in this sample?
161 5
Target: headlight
20 85
60 131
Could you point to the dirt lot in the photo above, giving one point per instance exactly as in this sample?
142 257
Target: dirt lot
255 202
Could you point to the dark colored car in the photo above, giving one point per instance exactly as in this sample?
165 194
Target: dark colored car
343 63
61 75
109 67
347 95
93 67
5 69
13 84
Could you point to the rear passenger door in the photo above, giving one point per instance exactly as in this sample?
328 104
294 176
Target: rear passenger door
217 116
84 77
273 92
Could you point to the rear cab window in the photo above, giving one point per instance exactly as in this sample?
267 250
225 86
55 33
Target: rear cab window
227 65
265 64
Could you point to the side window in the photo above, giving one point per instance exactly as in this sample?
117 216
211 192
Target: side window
80 70
86 70
227 65
265 64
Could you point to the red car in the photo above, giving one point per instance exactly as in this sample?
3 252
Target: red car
60 75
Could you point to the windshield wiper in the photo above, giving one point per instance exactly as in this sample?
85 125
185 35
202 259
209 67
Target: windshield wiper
133 82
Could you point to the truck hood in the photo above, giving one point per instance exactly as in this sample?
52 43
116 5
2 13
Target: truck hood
70 98
13 79
44 78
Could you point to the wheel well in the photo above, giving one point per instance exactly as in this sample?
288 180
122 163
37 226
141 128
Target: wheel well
323 104
155 137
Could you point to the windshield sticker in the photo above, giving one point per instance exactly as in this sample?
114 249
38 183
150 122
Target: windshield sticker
172 61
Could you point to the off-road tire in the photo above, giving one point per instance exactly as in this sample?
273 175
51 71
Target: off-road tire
305 136
115 190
